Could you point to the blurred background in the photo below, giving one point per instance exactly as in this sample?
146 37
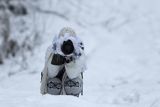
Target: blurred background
122 45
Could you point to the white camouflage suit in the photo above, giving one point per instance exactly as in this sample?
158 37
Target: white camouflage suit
73 69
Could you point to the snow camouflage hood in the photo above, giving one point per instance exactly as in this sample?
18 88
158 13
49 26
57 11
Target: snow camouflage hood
65 30
67 34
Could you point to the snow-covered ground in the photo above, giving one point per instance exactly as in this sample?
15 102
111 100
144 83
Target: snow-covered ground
122 44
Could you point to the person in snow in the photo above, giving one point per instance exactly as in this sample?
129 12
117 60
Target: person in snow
64 65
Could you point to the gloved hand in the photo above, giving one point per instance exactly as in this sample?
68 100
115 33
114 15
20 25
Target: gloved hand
58 59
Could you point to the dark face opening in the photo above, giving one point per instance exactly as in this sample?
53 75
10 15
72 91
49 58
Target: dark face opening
67 47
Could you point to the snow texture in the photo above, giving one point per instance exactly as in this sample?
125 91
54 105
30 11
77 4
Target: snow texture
122 44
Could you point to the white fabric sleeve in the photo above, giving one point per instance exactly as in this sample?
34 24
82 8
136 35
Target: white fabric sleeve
74 68
51 69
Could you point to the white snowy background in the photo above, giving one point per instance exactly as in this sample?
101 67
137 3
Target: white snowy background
122 44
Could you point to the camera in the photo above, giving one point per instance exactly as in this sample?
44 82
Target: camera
67 47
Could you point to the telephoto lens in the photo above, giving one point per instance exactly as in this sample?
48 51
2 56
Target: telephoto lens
67 47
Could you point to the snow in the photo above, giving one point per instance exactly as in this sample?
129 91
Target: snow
122 45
